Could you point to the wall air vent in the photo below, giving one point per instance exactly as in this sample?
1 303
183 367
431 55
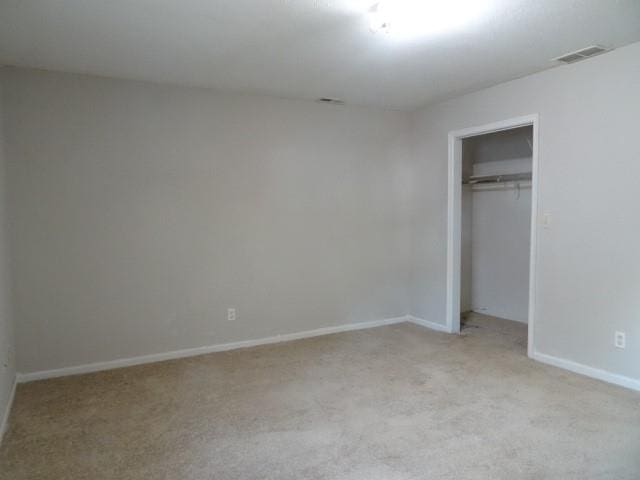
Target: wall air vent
331 101
581 54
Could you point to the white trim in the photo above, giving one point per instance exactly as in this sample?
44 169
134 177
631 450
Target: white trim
453 217
192 352
533 246
454 237
592 372
498 126
438 327
7 410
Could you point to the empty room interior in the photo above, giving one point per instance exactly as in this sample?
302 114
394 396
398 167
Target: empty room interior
324 240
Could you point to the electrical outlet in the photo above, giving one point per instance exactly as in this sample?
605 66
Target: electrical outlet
620 340
546 220
231 314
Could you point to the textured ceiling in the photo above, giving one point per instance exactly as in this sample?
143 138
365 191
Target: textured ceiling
305 48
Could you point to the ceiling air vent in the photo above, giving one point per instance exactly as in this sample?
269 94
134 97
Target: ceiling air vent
581 54
331 101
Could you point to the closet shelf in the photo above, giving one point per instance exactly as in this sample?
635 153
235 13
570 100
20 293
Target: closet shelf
492 179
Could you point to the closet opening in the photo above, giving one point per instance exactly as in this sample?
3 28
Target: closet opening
492 227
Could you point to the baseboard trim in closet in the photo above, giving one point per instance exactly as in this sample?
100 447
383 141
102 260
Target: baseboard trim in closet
438 327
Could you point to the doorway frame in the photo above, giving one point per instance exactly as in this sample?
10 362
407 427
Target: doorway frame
454 212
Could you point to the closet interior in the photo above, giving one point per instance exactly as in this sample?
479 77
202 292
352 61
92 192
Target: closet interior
496 225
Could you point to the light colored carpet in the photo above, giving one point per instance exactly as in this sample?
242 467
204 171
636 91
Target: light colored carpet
394 403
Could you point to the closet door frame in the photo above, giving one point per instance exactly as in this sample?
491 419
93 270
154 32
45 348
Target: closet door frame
454 229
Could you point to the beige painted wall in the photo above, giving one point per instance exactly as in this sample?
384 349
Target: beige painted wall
143 211
7 341
588 262
140 212
501 232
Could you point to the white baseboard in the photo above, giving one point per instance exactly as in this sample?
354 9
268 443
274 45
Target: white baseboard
592 372
439 327
192 352
7 410
579 368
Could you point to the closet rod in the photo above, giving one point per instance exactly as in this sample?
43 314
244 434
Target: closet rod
492 179
500 186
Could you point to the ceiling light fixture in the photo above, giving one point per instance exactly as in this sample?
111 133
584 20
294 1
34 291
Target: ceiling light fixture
415 18
379 18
